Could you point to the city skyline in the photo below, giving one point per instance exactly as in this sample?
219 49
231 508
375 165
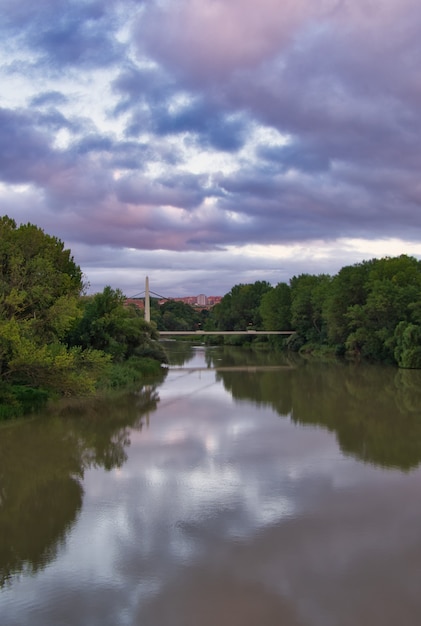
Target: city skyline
211 143
200 300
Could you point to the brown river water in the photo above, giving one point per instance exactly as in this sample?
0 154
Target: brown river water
243 489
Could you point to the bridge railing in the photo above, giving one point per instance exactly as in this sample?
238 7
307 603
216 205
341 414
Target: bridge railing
226 332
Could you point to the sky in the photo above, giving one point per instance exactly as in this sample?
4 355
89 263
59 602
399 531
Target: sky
207 143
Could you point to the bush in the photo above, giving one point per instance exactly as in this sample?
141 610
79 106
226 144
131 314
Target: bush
17 400
130 373
411 358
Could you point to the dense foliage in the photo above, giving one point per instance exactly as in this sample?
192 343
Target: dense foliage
370 310
177 315
119 331
240 308
52 339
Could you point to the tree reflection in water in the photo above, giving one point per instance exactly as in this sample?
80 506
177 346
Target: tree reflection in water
373 410
42 464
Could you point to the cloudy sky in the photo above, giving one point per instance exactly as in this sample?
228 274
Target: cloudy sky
206 143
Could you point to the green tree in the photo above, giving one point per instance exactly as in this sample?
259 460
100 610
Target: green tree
348 288
240 308
392 287
40 285
308 297
275 308
177 315
52 340
407 338
120 331
39 280
28 362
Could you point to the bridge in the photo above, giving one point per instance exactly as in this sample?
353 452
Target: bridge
251 333
162 333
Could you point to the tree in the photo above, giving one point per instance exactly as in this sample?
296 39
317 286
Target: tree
407 338
392 291
40 285
28 362
120 331
308 297
177 315
348 288
39 280
275 308
240 308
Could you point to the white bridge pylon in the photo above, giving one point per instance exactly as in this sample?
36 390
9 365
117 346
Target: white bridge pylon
147 301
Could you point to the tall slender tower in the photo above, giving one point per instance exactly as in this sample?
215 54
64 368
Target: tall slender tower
147 302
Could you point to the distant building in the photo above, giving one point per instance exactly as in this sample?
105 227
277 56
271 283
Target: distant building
191 300
199 301
212 300
138 302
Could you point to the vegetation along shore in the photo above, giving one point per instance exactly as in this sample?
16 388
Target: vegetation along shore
57 341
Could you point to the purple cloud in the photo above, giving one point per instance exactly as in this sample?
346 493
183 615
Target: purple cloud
64 33
192 126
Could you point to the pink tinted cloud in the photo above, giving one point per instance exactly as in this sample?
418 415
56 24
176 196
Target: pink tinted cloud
214 38
210 40
138 225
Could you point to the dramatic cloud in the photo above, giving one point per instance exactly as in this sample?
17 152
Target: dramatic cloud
207 143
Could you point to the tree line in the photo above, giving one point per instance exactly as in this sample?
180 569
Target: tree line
369 310
54 340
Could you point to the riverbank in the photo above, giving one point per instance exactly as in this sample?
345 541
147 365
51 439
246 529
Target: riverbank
18 401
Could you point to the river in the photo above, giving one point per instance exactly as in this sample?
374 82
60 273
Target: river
243 489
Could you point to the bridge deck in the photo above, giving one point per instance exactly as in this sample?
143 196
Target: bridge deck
226 332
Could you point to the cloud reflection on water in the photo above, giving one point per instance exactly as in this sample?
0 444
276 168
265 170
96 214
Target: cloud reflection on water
225 512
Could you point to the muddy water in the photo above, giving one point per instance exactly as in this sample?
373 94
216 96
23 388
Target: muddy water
242 490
